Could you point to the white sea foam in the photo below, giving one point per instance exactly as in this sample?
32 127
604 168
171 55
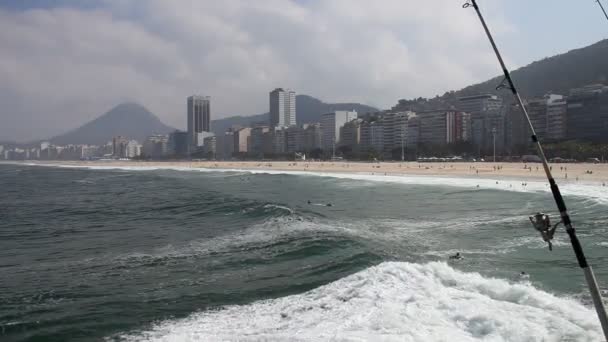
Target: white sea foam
394 301
280 207
588 190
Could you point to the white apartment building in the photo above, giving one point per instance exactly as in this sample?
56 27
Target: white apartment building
282 107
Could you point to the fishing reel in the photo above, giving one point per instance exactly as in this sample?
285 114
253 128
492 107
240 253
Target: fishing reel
542 223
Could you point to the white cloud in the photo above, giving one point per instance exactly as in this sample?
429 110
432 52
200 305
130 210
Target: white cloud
62 67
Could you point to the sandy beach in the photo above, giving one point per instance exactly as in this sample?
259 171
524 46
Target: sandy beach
563 173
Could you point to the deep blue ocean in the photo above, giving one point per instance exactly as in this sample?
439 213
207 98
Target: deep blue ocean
134 254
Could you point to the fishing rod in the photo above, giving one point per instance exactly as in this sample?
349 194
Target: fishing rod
602 7
541 221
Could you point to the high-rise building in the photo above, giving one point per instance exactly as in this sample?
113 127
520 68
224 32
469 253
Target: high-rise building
88 152
372 136
210 146
312 137
227 145
432 127
282 107
279 140
119 144
556 118
548 116
412 132
242 140
350 134
178 143
517 131
295 139
257 140
132 150
330 126
440 127
394 124
485 110
494 130
199 118
156 146
200 140
458 126
587 113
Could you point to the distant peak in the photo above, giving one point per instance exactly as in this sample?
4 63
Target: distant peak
129 105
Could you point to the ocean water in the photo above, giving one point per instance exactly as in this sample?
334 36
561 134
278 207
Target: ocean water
161 254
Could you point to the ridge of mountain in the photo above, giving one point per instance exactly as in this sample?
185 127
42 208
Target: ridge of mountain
556 74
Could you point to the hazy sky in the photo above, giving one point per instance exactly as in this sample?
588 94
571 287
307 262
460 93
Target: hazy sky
62 63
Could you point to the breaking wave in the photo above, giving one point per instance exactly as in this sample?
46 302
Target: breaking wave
393 301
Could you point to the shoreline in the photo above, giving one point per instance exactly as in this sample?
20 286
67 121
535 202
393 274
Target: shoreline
583 173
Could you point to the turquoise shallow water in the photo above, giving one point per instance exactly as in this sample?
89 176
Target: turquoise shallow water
90 254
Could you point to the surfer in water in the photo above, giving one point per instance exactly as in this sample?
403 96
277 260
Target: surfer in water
320 204
456 256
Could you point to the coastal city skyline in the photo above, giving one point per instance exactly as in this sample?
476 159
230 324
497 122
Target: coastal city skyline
310 170
153 61
471 126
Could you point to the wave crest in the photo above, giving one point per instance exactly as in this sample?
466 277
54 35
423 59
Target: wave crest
394 301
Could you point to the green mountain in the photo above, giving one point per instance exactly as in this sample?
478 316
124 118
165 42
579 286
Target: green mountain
308 109
131 120
557 74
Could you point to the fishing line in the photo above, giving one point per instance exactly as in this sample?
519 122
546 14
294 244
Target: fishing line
557 196
602 7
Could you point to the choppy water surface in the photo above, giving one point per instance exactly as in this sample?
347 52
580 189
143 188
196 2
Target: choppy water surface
131 254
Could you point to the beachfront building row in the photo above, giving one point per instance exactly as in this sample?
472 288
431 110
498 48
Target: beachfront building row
344 133
582 115
52 152
483 121
48 151
156 146
392 133
263 141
